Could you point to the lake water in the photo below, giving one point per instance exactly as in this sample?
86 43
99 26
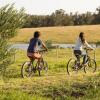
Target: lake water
20 46
25 46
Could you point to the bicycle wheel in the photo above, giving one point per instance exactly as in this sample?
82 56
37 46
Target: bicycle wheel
71 66
38 68
26 69
43 66
91 66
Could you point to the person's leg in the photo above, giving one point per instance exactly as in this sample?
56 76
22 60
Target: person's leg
78 59
84 59
39 61
30 56
38 57
77 54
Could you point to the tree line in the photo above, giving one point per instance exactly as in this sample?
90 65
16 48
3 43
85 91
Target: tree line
61 18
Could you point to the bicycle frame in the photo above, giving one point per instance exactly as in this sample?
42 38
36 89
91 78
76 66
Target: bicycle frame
94 54
74 65
87 55
41 52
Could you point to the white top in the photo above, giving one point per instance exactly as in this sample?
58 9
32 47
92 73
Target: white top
80 46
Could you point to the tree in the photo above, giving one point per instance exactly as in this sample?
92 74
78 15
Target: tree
61 18
58 17
10 21
96 17
88 18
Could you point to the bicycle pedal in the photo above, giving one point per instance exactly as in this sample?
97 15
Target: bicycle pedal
39 68
34 69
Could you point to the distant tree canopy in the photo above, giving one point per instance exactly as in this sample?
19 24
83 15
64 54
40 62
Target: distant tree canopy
61 18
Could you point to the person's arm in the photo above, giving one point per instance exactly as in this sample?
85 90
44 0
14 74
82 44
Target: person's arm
44 46
88 46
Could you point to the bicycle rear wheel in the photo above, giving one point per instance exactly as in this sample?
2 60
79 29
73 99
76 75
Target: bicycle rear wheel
71 66
26 69
91 66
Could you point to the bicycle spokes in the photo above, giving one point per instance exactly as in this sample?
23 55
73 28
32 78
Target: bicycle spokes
71 66
91 66
26 69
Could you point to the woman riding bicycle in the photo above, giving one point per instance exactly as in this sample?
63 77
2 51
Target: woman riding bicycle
34 46
79 47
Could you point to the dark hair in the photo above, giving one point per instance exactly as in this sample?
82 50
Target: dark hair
36 34
81 36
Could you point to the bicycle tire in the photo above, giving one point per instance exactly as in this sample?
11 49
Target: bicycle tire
90 65
23 69
43 66
68 66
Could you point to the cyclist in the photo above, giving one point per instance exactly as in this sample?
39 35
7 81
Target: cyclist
34 46
79 48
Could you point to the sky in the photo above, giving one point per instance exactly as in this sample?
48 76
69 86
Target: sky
45 7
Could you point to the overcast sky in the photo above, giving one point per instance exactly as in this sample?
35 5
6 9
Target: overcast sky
41 7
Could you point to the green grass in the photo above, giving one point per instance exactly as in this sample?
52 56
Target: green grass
67 34
54 85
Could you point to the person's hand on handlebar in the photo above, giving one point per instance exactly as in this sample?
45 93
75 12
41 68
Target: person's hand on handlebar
44 46
89 49
92 48
47 49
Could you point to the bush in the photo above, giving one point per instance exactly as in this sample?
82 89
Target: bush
98 43
48 44
10 21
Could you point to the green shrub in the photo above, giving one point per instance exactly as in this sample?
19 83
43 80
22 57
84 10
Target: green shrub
10 21
49 43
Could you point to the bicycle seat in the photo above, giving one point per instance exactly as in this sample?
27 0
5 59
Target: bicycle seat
31 58
78 55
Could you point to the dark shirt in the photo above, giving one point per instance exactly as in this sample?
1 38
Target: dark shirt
34 45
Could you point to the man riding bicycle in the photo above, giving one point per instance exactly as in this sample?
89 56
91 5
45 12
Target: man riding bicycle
34 46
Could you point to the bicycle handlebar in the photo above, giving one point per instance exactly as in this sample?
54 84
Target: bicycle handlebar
42 50
94 54
88 49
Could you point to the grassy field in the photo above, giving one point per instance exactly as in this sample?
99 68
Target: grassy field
66 34
54 85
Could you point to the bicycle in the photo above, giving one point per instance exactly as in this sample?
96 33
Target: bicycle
74 65
31 67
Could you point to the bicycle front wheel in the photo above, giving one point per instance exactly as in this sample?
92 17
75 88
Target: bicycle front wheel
45 66
42 67
26 69
91 66
71 66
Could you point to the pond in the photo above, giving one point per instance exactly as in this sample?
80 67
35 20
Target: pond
25 46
